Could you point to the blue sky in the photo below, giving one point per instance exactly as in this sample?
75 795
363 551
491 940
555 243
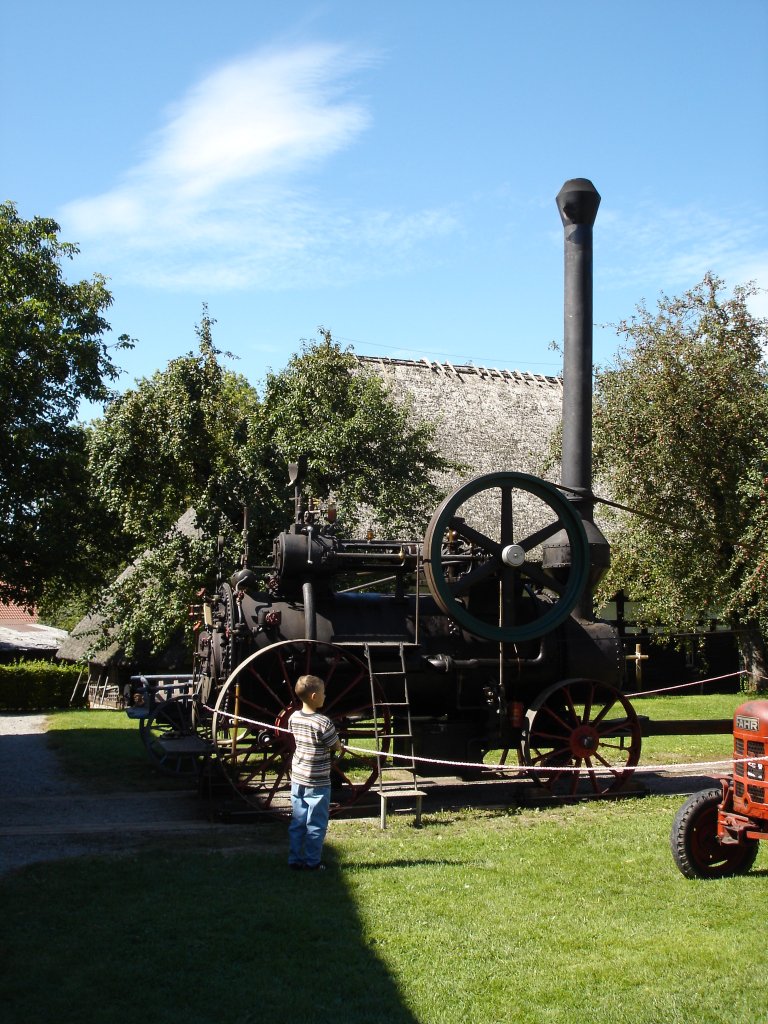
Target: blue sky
386 170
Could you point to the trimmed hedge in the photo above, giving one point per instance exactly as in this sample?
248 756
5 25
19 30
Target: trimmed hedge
37 686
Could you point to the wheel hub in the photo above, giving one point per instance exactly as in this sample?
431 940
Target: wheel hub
514 555
584 741
281 740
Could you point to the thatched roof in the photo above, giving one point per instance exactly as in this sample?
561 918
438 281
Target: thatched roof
77 645
488 419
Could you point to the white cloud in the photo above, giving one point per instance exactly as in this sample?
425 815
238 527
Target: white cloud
220 198
673 248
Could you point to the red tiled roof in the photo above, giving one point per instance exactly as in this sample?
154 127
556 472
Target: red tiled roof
13 615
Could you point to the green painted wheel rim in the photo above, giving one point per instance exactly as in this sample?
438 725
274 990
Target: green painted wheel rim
567 518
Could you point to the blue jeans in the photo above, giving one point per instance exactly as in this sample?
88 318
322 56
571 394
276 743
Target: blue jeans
311 806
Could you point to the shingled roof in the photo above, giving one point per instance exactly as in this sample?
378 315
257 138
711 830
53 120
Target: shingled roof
13 616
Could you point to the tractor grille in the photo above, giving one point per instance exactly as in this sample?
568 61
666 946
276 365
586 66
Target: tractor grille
756 794
754 748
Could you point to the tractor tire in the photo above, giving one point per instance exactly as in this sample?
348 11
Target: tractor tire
696 849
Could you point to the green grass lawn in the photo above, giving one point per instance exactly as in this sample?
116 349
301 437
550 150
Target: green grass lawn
481 917
674 749
103 749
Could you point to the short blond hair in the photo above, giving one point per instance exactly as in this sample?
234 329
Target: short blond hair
307 684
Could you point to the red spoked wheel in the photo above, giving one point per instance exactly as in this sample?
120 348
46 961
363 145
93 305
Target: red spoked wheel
256 702
582 738
696 849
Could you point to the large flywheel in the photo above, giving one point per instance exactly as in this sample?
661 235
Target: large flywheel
483 557
254 706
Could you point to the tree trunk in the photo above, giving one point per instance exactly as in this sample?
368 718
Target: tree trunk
755 658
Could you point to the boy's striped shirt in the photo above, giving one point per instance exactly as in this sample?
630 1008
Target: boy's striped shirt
315 735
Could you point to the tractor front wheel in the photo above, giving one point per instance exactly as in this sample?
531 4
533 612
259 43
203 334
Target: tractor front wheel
696 849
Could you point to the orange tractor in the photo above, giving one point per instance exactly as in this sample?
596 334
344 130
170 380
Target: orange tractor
716 831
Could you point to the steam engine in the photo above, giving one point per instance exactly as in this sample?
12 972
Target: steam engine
478 637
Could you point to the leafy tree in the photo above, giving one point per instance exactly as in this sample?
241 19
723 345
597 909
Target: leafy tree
197 434
178 440
374 454
52 356
173 442
680 432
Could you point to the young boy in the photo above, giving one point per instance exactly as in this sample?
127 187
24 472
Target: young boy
316 737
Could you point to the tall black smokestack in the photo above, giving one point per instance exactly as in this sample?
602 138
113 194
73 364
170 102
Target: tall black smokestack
578 201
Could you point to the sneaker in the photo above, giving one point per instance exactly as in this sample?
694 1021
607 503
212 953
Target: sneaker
315 867
296 866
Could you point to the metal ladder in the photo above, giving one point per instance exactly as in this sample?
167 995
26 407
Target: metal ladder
397 779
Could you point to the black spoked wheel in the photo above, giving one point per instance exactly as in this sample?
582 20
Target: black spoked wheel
582 738
254 707
696 849
169 734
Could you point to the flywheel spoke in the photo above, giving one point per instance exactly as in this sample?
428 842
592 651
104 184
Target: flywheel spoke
507 598
507 517
535 539
474 577
536 573
480 540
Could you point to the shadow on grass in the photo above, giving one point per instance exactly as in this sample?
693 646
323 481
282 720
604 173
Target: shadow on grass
415 862
111 756
197 936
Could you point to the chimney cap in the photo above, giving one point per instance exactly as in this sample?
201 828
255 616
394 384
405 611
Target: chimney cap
578 201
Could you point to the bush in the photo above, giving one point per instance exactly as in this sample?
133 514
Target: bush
37 686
